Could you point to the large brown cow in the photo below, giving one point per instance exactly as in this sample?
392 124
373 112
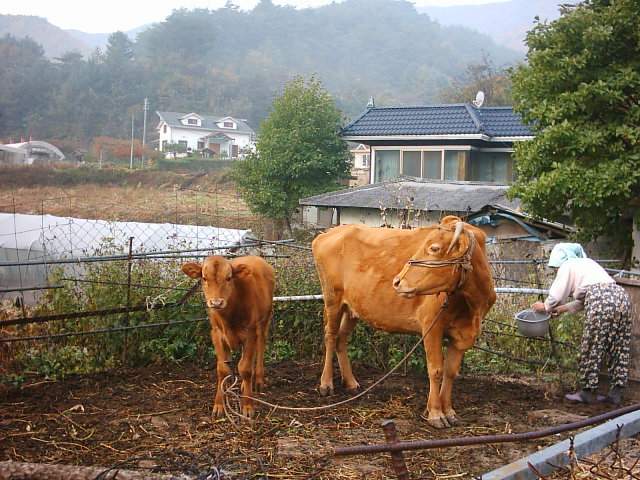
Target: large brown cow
239 298
366 274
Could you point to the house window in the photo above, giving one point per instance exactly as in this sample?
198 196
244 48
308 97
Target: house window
387 165
227 124
411 163
492 167
455 163
432 165
365 160
200 144
234 151
183 143
192 121
164 129
164 146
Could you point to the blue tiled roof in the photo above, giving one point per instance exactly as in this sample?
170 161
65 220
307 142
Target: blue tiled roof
452 119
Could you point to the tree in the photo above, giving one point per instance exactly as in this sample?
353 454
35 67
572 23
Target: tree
580 93
485 77
299 152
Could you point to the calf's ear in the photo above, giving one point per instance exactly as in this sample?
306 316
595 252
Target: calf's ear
193 270
240 270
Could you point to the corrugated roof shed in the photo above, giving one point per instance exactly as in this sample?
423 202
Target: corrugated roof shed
452 119
448 196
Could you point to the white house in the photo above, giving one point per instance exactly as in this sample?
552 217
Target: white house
207 134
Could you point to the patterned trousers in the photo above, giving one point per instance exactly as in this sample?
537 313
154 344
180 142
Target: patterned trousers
607 335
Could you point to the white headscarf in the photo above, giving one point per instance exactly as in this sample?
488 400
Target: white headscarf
564 251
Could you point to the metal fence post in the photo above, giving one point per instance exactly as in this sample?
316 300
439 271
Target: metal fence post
397 458
126 315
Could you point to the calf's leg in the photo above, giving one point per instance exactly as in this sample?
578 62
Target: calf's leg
222 369
331 325
347 325
262 332
245 368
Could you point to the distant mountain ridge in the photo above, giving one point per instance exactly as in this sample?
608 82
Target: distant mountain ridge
506 22
55 40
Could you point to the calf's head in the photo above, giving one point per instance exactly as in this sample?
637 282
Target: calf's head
441 262
217 274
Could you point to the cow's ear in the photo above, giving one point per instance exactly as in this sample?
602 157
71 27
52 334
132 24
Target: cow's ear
240 270
193 270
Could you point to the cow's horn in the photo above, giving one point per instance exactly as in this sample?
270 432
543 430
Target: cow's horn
456 236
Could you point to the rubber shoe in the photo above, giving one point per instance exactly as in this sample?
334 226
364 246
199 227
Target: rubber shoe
581 396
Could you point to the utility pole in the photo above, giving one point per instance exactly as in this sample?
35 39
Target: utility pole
131 157
144 127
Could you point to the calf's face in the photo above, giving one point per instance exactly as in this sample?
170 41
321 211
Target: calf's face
217 274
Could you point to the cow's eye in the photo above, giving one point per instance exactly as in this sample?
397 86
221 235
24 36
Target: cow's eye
229 278
434 248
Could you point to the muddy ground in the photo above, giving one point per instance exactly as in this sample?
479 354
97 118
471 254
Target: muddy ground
159 417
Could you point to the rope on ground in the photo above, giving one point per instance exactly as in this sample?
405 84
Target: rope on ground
231 391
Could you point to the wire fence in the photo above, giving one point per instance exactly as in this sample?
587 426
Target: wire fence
104 289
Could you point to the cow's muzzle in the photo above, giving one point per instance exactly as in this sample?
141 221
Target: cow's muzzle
216 303
401 289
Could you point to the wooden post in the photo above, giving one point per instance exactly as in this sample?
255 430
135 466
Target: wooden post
633 289
126 315
397 458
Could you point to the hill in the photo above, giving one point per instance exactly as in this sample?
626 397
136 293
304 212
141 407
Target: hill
54 40
234 62
515 18
99 40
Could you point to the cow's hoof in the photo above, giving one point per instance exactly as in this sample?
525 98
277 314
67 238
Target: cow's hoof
259 387
353 387
438 422
452 419
248 411
326 390
218 410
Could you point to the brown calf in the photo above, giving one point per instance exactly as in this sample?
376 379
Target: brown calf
239 298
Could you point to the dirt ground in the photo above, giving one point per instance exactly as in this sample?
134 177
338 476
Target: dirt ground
159 418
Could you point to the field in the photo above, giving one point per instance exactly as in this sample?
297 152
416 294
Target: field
144 196
159 417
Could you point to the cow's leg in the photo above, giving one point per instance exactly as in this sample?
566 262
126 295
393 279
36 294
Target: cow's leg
347 325
433 347
452 363
222 369
262 333
331 325
245 369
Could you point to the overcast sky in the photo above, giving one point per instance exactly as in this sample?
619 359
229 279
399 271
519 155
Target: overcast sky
100 16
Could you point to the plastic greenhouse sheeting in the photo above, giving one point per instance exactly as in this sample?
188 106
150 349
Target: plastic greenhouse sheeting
47 237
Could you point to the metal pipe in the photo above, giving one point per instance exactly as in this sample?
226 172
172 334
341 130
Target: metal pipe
99 331
110 258
27 289
482 439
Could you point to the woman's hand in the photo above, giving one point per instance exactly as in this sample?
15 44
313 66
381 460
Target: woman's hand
538 307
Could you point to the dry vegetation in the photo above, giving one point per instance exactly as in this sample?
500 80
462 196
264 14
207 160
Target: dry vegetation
145 196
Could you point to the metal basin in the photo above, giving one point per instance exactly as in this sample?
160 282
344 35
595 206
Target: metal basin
532 324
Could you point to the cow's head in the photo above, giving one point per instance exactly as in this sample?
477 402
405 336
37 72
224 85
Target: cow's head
441 263
217 274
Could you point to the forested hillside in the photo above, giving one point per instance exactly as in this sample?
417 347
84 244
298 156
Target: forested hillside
233 62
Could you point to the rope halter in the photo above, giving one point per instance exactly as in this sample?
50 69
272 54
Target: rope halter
463 262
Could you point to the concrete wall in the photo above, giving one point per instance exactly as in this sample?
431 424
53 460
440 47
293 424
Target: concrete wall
374 217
